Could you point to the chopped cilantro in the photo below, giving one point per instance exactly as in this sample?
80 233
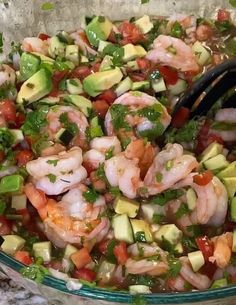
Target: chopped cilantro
224 126
87 283
100 172
2 206
35 120
116 52
183 210
53 162
157 218
230 47
159 177
139 299
52 178
115 191
47 6
152 113
35 271
15 48
177 30
155 75
140 236
138 279
144 1
118 113
223 26
163 198
189 243
71 127
110 254
187 133
90 195
174 267
101 19
125 142
109 153
6 140
153 258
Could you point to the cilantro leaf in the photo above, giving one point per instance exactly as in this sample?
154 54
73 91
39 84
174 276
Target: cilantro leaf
189 243
152 113
177 30
90 195
138 279
163 198
174 267
35 120
109 153
144 1
52 178
6 139
157 218
140 236
47 6
70 126
100 172
187 133
53 162
182 210
118 113
35 271
116 52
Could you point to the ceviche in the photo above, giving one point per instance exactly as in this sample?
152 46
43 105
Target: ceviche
98 180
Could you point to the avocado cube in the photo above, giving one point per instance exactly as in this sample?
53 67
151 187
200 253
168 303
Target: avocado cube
12 184
36 87
142 231
29 65
141 86
196 260
69 251
19 202
144 24
191 199
105 271
72 54
81 102
234 241
211 151
130 52
43 58
74 86
149 210
106 64
56 47
97 82
203 56
215 163
124 86
84 59
170 233
229 171
141 52
230 185
179 248
44 250
139 289
127 206
122 228
98 29
133 65
233 209
12 243
102 45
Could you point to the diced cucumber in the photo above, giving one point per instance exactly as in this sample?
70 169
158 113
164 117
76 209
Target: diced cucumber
122 228
196 260
144 23
102 44
211 151
106 64
139 289
19 202
149 210
44 250
179 248
127 206
12 243
191 199
215 163
169 233
233 209
105 271
132 65
56 47
18 135
140 86
84 104
159 85
219 283
202 54
84 59
74 86
12 184
130 52
141 52
72 54
234 241
64 136
230 185
124 86
142 231
178 88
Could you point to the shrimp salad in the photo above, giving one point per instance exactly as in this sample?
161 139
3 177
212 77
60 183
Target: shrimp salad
98 180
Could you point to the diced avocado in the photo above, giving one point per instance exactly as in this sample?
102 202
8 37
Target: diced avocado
29 65
72 53
56 47
178 88
64 136
234 241
233 209
170 233
19 202
97 82
191 199
36 87
12 184
50 100
18 135
149 210
127 206
81 102
133 65
179 248
69 251
12 243
141 86
124 86
44 250
95 129
229 171
219 283
106 64
74 86
141 52
122 228
105 271
84 59
215 163
159 85
144 24
44 58
196 260
139 289
102 44
130 52
142 231
211 151
98 29
230 184
202 54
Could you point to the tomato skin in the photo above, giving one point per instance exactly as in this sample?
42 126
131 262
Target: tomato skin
2 155
5 226
214 138
206 246
102 246
112 37
100 107
23 257
209 269
108 95
23 157
143 63
43 36
85 274
202 137
81 72
138 77
95 68
56 78
120 252
180 117
25 214
130 33
170 75
8 110
20 119
55 264
204 178
223 15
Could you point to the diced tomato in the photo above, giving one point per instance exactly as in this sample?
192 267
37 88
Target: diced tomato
8 110
85 274
214 138
81 72
170 75
2 155
20 119
95 68
89 167
100 107
223 15
43 36
23 257
81 258
56 78
112 37
131 33
203 179
206 246
143 63
25 214
5 226
102 246
180 117
209 269
202 138
55 264
108 95
120 252
138 77
24 156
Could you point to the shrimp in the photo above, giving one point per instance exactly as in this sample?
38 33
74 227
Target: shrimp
196 279
52 150
92 159
136 101
57 173
35 44
180 166
147 250
204 32
81 40
145 266
173 52
123 173
222 250
7 75
177 284
188 23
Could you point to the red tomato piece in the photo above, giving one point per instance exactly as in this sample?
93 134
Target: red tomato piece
89 167
81 72
143 63
102 246
202 137
100 107
206 246
130 32
23 257
214 138
8 110
223 15
25 214
108 95
170 75
55 264
203 179
20 119
120 252
95 68
180 117
43 36
24 156
112 37
209 269
5 226
138 77
81 258
2 155
85 274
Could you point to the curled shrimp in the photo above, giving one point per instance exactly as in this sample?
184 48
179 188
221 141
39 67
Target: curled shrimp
35 44
81 40
52 150
57 173
170 165
145 266
173 52
177 284
7 75
136 101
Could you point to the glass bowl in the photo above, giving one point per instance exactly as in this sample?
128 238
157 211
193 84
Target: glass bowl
24 18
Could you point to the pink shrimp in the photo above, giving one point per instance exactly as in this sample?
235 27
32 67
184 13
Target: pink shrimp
35 44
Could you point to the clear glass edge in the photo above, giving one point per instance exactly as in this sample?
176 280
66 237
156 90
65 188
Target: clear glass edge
102 294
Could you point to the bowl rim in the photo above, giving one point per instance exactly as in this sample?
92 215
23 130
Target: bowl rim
122 297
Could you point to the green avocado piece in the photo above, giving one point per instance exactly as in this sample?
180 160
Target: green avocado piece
81 102
43 57
211 151
217 162
233 209
56 47
36 87
229 171
230 184
12 184
29 65
97 82
98 29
